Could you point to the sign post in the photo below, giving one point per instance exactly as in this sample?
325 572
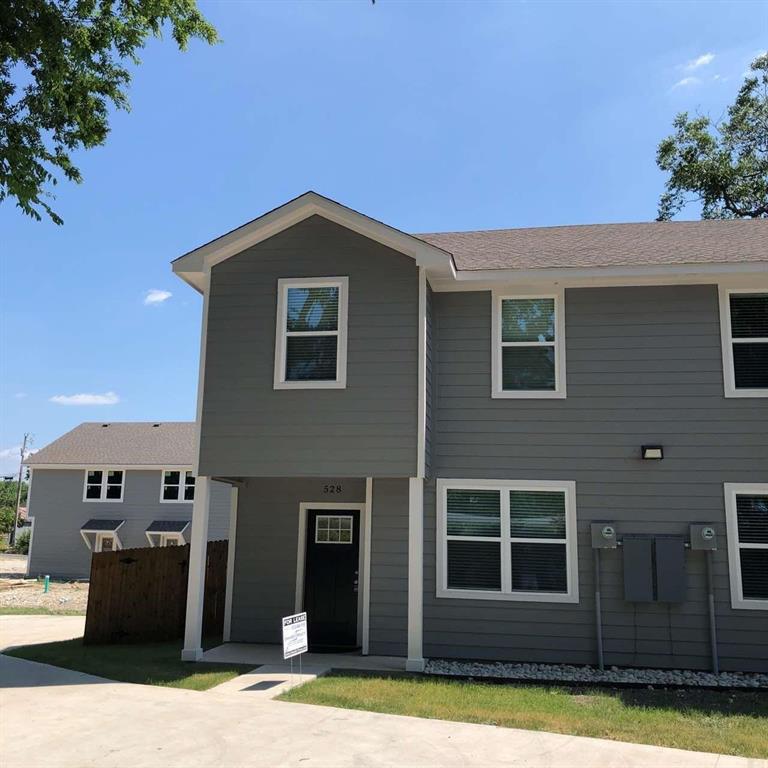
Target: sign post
295 637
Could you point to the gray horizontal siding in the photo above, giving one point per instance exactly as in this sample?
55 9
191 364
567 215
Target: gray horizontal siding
389 568
266 546
57 506
643 366
367 429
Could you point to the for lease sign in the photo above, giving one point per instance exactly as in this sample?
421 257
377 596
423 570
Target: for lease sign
294 635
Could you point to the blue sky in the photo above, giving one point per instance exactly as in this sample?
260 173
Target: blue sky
428 115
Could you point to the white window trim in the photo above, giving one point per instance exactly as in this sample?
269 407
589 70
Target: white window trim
727 341
183 473
504 486
497 345
281 334
732 490
160 539
99 538
103 498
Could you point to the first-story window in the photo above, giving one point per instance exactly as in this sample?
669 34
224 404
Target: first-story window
104 485
528 346
311 336
106 542
178 485
507 540
102 535
744 328
746 508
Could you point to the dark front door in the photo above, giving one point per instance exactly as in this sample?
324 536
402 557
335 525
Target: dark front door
331 579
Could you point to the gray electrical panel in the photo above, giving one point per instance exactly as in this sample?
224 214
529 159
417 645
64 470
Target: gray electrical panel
638 569
703 536
604 536
670 569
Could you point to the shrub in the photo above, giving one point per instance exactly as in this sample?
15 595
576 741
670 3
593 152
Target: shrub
21 546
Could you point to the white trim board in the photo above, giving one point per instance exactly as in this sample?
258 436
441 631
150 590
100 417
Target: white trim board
232 543
731 491
192 266
567 487
363 611
727 341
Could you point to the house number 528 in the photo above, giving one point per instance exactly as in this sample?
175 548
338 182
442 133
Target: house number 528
331 488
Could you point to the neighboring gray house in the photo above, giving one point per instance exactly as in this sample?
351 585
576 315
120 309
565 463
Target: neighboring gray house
115 485
436 441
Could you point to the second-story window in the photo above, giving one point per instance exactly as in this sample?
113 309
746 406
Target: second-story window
104 485
528 346
744 321
311 339
177 486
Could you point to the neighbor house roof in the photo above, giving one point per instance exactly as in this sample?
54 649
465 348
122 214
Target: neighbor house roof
608 245
122 444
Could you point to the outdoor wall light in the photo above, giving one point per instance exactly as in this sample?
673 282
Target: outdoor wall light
653 452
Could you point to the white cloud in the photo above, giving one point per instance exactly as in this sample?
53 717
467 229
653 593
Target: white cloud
156 296
108 398
701 61
685 82
6 453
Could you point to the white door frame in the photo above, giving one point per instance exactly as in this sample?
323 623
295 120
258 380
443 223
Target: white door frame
363 568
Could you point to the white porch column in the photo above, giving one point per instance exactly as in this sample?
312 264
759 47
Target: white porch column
233 496
198 546
415 661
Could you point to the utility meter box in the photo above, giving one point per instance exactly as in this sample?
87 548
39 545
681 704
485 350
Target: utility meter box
604 536
703 536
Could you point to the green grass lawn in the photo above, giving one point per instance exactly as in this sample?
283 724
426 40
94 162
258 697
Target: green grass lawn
145 663
24 610
733 723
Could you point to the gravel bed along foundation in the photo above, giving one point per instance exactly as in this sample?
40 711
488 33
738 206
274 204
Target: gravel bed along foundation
564 673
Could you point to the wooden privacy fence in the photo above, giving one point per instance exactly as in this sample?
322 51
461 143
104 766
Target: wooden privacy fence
140 595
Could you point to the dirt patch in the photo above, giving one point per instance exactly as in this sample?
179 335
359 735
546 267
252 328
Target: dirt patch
12 566
62 596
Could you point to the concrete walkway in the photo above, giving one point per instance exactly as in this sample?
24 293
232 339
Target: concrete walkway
71 719
31 630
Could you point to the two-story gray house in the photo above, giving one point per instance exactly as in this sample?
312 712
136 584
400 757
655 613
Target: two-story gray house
527 444
116 485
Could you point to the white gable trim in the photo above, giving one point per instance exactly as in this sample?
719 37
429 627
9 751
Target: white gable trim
192 265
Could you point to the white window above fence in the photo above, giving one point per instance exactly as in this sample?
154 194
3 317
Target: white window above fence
528 356
104 485
177 485
746 514
744 330
311 337
507 540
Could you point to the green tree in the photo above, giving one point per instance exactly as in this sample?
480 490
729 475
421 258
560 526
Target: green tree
62 62
7 517
8 493
724 166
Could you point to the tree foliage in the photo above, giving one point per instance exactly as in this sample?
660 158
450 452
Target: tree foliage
724 166
62 63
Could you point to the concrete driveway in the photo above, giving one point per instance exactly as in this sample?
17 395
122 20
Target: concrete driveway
58 718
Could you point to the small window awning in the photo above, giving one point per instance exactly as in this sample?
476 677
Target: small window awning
97 525
167 526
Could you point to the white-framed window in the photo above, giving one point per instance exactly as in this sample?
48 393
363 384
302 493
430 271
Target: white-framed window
176 486
311 333
507 540
104 485
528 340
106 542
746 516
333 529
744 331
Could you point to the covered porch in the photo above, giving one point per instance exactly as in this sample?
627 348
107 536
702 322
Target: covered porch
348 551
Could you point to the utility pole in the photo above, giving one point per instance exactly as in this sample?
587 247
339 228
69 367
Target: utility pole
22 454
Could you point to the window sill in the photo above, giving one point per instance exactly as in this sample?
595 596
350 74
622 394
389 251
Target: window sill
521 597
310 385
749 605
102 501
177 501
746 392
530 394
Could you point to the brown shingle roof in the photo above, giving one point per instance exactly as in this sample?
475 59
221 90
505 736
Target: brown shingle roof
608 245
122 443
